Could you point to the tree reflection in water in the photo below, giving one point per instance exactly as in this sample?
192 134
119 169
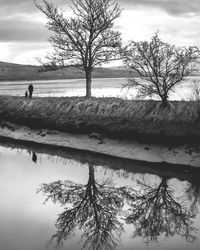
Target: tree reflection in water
92 207
193 194
156 212
33 156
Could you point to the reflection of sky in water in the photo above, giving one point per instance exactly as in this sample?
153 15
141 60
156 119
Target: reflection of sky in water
108 87
27 224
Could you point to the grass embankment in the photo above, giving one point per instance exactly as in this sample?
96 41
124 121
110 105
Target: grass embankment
146 121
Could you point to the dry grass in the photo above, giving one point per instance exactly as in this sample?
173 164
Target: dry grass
112 117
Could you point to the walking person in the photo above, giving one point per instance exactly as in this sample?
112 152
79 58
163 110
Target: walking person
30 89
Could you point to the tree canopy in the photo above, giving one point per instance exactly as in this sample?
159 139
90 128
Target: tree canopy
92 207
87 39
159 66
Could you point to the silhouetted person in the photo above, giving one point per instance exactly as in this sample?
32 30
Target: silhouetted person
26 94
34 157
30 89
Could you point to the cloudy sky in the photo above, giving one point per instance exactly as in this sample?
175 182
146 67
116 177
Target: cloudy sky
23 36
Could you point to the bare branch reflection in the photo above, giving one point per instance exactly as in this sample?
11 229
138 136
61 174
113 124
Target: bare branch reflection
193 194
156 212
92 207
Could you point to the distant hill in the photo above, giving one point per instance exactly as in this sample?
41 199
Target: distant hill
13 71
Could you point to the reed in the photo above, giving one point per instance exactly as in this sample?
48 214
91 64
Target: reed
112 117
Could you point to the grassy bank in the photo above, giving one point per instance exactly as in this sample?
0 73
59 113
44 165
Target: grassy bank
146 121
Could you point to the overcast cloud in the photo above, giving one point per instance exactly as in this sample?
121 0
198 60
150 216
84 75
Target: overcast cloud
23 35
170 6
173 7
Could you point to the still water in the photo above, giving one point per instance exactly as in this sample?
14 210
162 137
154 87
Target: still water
93 201
101 87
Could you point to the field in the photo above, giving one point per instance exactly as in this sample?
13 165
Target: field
115 118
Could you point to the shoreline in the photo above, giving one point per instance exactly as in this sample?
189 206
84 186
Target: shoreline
177 155
35 81
130 129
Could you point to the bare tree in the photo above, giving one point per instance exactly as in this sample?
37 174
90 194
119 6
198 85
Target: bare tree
88 39
47 66
159 65
92 207
155 212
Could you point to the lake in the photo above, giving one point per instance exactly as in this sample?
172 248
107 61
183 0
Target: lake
52 196
84 199
101 87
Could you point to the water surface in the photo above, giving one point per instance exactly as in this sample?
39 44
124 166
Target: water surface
101 87
105 201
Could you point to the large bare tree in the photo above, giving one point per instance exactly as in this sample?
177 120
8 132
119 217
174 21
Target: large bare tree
157 67
87 39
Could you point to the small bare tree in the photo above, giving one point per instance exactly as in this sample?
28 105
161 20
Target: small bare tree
155 212
160 66
193 193
88 39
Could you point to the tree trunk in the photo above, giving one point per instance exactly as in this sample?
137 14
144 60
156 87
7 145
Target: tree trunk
164 100
88 77
91 180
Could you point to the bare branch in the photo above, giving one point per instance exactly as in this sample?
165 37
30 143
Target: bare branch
156 212
93 207
88 38
161 66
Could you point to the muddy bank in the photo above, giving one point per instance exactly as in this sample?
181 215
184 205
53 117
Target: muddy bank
181 172
144 121
124 149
